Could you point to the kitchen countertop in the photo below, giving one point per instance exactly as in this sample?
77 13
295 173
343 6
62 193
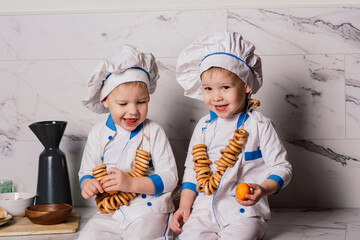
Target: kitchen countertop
85 214
295 224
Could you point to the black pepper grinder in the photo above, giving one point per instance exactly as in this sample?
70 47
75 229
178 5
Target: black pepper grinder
53 184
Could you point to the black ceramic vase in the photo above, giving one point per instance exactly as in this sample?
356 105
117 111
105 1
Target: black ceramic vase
53 184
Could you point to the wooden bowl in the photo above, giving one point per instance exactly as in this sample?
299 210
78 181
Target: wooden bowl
50 213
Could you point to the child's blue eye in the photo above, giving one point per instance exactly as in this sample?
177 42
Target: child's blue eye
226 87
207 89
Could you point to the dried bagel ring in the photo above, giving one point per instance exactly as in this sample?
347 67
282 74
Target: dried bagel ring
196 165
221 168
145 165
142 160
199 146
142 168
95 172
204 161
230 156
199 158
138 171
217 176
234 143
241 133
132 174
228 160
142 152
255 103
114 204
198 150
145 157
125 195
100 176
226 163
202 170
101 208
232 149
206 187
212 182
200 154
123 200
102 166
198 177
220 163
199 185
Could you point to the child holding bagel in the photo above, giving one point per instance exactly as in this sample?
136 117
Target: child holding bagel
128 163
233 144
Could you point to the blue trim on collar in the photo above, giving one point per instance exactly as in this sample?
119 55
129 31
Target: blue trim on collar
241 118
136 131
213 116
110 123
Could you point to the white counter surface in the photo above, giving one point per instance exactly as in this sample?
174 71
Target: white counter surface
295 224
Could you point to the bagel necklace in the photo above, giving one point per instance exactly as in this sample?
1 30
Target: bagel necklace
206 181
109 202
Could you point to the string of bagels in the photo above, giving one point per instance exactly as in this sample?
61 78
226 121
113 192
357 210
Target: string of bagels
109 202
207 181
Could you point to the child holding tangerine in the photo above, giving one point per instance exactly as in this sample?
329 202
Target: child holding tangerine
222 70
121 85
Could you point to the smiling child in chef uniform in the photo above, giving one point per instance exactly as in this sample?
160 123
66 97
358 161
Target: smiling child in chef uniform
121 85
222 70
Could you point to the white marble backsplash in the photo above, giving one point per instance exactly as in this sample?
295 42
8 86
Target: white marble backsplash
311 87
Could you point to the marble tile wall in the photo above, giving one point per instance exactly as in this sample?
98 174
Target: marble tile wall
311 87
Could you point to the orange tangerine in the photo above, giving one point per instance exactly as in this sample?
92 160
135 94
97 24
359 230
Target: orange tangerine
110 192
241 191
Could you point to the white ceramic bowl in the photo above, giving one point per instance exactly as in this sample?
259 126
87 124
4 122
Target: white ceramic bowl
15 203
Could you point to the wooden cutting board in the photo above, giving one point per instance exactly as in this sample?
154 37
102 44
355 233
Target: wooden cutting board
23 226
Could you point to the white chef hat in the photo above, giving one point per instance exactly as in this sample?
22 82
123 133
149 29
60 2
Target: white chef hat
125 65
226 50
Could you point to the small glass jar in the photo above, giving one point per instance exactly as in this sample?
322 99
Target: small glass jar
6 186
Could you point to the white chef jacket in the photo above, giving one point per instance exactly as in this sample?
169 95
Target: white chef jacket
263 157
162 170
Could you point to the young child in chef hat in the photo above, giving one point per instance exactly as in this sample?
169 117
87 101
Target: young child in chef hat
222 70
121 85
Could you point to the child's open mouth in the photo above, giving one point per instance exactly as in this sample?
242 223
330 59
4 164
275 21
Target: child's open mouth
221 108
130 121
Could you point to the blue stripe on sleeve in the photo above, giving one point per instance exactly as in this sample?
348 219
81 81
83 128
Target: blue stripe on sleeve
279 181
252 155
83 178
158 184
189 185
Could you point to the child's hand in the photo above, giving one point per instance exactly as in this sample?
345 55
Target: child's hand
256 194
116 180
182 214
90 187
